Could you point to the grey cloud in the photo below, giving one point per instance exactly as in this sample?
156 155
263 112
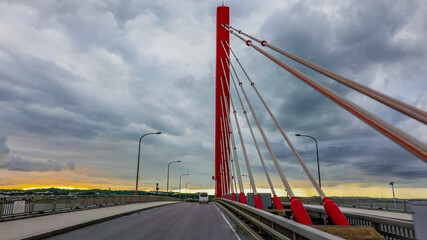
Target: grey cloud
50 103
17 163
56 89
352 41
100 108
70 165
370 27
359 37
359 33
13 162
45 103
346 161
4 149
381 161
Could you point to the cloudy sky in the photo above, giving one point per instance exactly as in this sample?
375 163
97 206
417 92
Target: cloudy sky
80 82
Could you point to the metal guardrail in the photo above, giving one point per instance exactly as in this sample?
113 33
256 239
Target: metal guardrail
395 205
278 227
23 206
389 228
399 205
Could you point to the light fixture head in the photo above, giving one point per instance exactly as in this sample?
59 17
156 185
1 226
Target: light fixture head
298 135
158 132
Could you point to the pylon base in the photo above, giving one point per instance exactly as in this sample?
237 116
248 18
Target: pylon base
242 198
258 202
277 202
299 212
334 212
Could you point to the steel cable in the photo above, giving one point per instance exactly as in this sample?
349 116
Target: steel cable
398 105
256 144
248 166
408 142
288 141
264 137
239 177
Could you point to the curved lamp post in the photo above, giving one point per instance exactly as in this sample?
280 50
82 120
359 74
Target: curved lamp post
394 197
180 177
317 153
167 181
250 187
139 153
186 189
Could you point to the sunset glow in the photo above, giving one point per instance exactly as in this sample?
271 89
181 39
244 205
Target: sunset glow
58 187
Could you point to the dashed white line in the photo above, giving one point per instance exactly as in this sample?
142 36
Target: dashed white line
232 229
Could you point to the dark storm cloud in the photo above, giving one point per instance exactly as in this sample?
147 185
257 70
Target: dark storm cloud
17 163
358 34
354 39
51 102
305 110
94 74
378 161
4 149
44 86
90 77
370 28
44 101
381 161
49 99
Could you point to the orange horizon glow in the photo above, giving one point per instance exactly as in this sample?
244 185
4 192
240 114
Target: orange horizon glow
88 179
57 187
374 192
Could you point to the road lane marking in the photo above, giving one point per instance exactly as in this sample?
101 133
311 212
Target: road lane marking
232 229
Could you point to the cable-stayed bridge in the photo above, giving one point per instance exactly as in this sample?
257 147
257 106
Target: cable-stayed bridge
236 214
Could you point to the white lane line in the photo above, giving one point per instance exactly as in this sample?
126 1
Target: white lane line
232 229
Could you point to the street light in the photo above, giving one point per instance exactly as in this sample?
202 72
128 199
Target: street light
186 187
250 187
394 198
139 152
167 182
317 153
186 174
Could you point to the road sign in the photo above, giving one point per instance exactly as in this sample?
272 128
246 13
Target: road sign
18 207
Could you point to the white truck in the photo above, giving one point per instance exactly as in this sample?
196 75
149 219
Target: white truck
203 198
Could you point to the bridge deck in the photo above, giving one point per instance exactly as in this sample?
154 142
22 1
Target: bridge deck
36 226
183 221
173 221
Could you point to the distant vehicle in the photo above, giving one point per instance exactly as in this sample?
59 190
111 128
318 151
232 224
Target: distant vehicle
203 198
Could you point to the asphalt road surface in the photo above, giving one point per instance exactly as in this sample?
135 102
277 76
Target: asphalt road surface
175 221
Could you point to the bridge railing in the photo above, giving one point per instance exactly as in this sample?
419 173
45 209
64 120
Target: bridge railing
398 205
389 228
276 226
24 206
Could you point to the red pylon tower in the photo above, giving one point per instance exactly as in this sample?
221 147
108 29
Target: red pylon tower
222 35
